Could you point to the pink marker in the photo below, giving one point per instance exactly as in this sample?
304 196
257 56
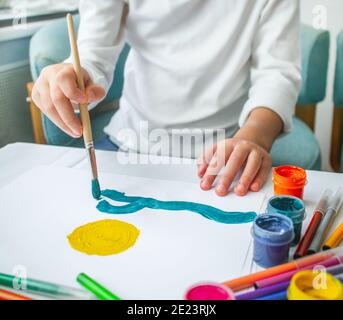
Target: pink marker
209 291
288 275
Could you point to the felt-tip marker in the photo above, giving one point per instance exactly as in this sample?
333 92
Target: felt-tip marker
325 225
95 288
44 288
311 230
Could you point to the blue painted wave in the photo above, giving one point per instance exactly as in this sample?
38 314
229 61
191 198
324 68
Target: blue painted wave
135 204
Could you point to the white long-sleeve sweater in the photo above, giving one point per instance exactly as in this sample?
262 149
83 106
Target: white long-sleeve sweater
202 64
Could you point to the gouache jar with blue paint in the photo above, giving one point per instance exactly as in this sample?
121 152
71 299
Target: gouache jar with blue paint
273 234
293 208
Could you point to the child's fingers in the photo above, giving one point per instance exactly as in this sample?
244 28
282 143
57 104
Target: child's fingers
212 171
262 175
65 110
233 166
67 82
94 93
251 169
217 162
205 159
42 98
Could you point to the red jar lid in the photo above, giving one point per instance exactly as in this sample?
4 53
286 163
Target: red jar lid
290 176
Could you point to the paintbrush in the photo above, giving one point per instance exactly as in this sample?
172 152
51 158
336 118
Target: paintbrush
84 114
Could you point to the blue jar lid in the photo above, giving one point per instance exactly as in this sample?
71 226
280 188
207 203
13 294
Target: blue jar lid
273 229
289 206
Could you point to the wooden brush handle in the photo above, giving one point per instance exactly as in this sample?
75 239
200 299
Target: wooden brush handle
84 114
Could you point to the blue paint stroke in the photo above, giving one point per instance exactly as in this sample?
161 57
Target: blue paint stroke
96 189
138 203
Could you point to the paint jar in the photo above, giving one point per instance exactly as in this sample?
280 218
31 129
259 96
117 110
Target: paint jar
293 208
302 286
209 291
273 234
289 180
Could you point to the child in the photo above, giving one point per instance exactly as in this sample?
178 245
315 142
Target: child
194 66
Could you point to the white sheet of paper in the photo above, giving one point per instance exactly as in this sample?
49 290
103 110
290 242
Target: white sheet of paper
174 250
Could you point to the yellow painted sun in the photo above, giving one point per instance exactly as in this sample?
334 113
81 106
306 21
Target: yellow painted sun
104 237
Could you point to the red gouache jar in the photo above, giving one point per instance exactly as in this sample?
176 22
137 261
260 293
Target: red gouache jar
289 180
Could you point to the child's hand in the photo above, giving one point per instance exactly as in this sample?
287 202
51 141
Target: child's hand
231 156
56 89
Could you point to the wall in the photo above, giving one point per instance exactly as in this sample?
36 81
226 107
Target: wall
334 9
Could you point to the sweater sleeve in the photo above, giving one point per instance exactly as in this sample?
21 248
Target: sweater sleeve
100 38
275 71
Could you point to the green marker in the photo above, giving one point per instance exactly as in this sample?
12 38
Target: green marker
43 288
98 290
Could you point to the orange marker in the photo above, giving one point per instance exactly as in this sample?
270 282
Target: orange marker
335 239
249 280
7 295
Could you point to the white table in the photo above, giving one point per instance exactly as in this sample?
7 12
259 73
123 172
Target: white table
17 158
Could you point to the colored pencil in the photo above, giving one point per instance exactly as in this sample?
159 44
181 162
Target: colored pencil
7 295
84 114
335 239
311 230
44 288
330 216
334 261
94 287
249 280
282 295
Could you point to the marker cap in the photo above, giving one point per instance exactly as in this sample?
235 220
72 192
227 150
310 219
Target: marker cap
337 200
324 201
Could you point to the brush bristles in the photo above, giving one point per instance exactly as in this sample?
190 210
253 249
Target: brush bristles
96 192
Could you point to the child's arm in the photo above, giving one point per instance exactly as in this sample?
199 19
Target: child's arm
100 42
275 84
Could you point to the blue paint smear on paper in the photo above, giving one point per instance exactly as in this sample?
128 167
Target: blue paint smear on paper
96 189
135 204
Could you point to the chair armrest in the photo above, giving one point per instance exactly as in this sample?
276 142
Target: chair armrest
36 117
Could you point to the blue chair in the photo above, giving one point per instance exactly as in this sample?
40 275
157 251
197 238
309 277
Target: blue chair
337 129
301 148
46 50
